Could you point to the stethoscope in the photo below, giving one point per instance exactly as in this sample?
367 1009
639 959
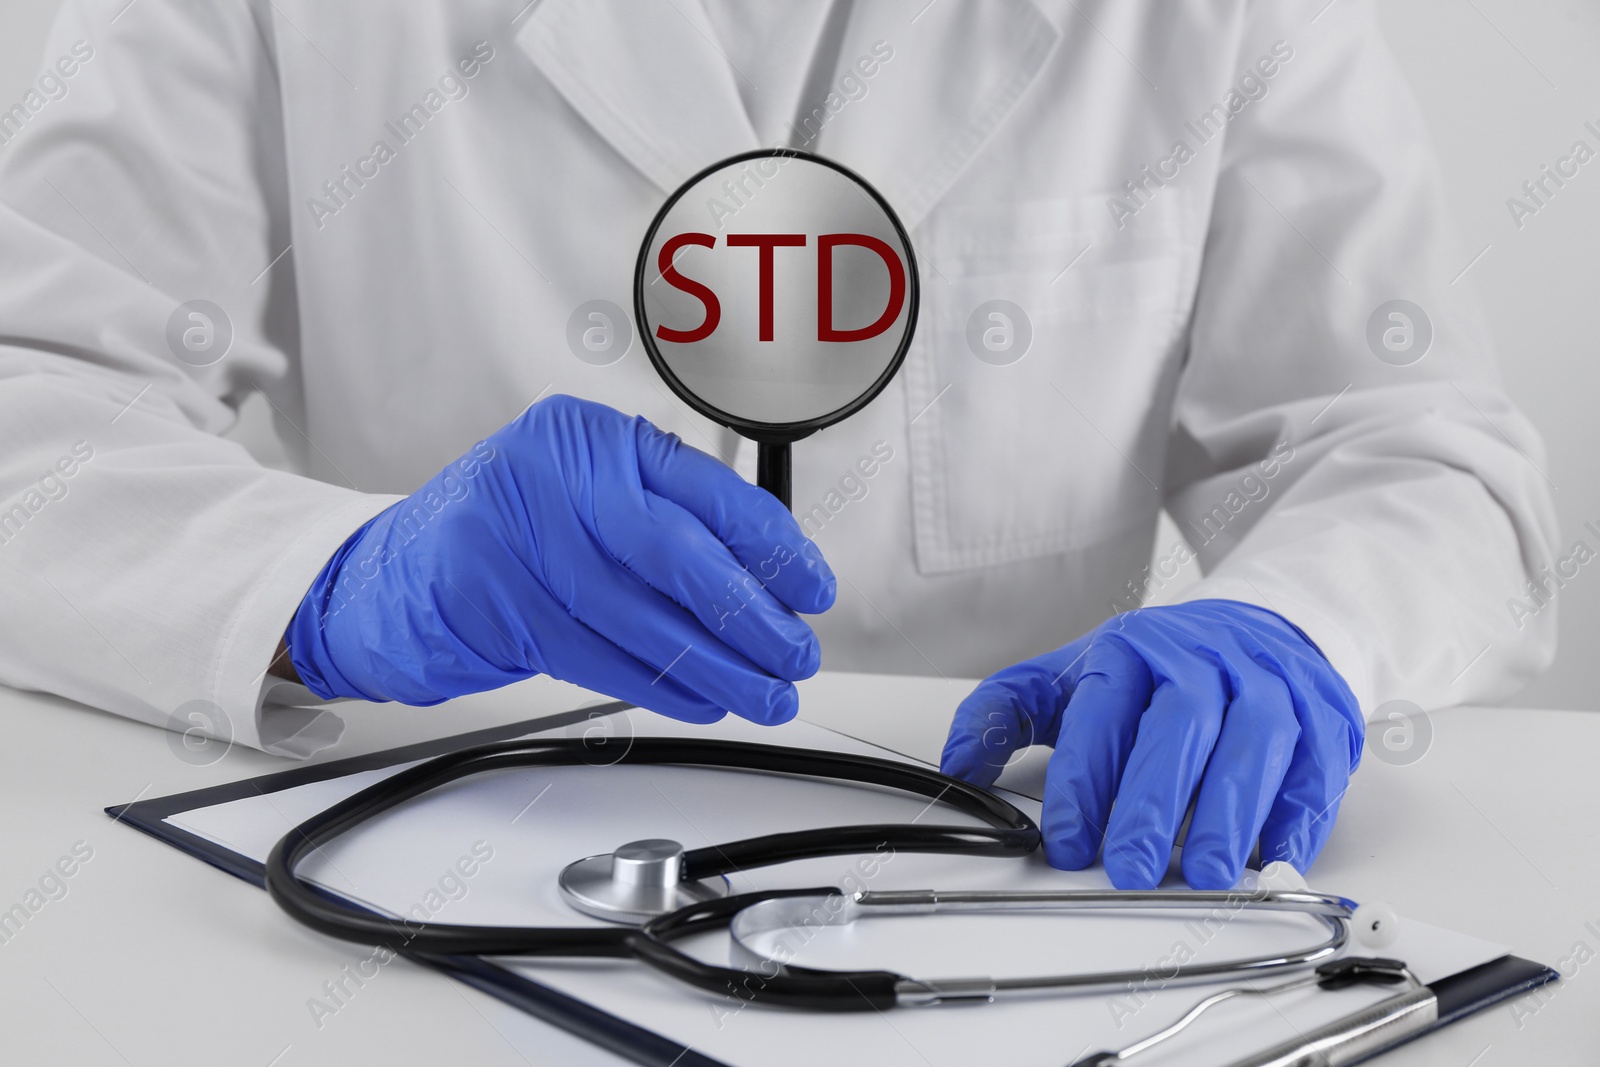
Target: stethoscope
654 893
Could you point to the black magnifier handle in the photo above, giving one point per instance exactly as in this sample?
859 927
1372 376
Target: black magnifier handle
772 470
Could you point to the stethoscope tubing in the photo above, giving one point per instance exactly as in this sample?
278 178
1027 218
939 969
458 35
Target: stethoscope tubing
1008 832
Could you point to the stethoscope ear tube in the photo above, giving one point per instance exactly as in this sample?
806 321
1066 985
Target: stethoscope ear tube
787 986
789 918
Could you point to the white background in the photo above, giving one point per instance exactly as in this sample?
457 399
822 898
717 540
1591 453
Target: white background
1506 86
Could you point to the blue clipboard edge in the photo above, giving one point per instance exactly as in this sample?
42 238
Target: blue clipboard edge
1459 995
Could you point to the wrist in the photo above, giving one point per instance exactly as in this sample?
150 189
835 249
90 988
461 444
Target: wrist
282 665
307 642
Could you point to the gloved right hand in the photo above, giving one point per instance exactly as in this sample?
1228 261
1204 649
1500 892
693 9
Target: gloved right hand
583 544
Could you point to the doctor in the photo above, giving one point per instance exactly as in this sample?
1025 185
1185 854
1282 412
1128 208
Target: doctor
1162 248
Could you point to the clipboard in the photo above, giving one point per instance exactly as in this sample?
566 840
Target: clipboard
1460 993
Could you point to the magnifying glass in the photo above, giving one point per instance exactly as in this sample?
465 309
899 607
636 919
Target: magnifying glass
776 293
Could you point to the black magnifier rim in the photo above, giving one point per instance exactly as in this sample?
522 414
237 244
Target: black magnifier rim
776 432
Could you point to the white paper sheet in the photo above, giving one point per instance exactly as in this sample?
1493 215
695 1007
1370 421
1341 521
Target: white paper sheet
515 830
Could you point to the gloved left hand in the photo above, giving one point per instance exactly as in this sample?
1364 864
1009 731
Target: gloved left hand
1213 702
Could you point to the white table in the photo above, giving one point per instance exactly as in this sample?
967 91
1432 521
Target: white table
151 958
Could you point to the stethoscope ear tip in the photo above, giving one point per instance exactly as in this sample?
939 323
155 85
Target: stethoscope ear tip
1282 876
1375 925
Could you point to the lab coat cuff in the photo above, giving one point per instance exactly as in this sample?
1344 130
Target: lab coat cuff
273 714
1330 637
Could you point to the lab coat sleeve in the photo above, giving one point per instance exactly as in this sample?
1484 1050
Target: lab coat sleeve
150 566
1394 513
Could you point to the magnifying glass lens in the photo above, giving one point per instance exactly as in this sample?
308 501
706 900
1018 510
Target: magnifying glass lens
776 293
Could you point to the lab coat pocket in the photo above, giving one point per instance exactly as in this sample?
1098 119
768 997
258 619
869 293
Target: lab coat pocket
1039 385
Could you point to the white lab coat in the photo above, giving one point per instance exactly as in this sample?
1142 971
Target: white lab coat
1201 346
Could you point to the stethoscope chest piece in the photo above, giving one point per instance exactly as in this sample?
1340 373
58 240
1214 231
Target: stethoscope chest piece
636 883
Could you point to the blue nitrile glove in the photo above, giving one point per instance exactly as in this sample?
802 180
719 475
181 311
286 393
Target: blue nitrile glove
583 544
1215 702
